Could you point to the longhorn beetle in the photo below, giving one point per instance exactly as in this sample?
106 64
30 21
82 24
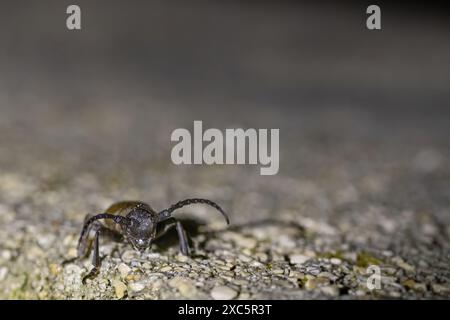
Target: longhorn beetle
138 223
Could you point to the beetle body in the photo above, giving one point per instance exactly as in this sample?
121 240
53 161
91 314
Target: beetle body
136 222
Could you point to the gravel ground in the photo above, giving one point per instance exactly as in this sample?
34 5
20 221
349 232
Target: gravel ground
364 172
311 234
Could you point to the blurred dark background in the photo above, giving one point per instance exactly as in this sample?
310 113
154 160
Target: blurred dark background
139 69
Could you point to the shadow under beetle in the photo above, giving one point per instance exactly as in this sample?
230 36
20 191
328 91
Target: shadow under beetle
137 223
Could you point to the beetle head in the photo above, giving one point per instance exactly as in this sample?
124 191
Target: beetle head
141 229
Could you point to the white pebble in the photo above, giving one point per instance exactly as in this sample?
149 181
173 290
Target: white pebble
3 273
336 261
223 293
6 254
298 258
124 270
136 286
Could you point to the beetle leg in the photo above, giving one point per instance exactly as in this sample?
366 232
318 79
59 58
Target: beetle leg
93 220
184 246
182 236
165 226
91 223
84 244
84 247
95 256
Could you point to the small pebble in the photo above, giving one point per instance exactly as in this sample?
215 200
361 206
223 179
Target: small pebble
136 286
310 284
244 295
249 243
72 253
223 293
3 273
54 269
336 261
404 265
120 288
330 291
298 258
314 283
278 271
129 255
438 288
182 258
124 270
286 241
185 286
6 255
165 269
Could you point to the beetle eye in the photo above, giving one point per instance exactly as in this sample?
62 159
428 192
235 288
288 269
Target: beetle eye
134 222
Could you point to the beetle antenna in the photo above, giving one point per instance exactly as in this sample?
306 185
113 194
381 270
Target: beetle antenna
167 212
